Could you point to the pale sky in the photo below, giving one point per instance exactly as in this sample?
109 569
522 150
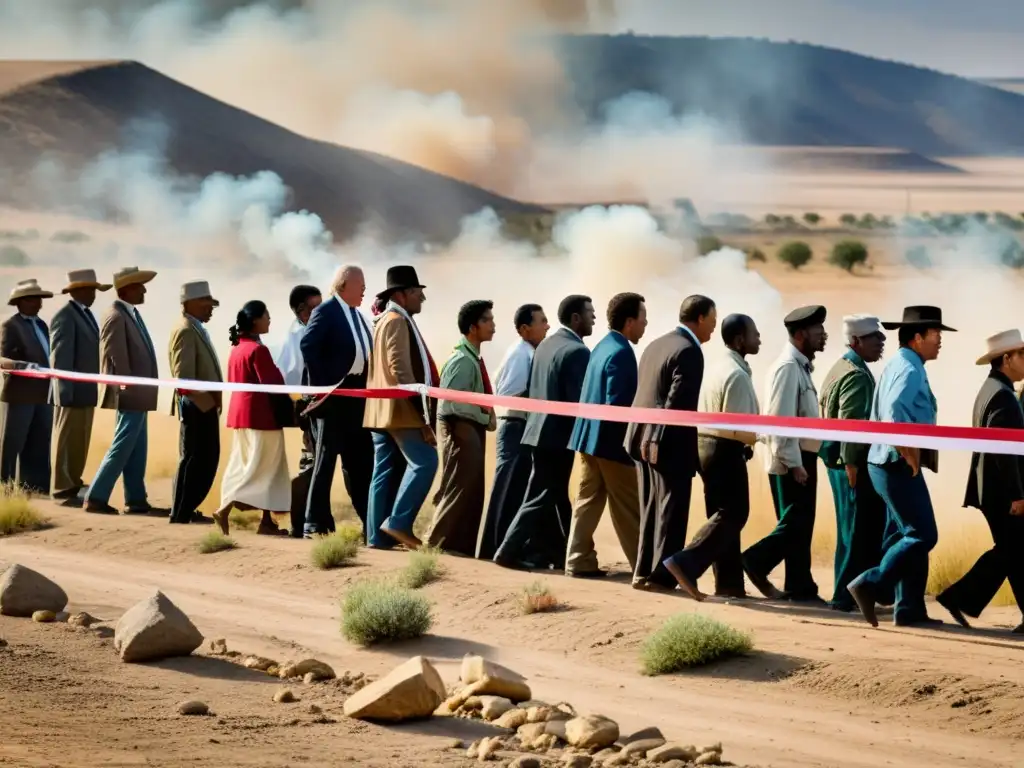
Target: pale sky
976 38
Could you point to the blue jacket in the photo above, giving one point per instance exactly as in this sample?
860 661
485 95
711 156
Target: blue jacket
610 380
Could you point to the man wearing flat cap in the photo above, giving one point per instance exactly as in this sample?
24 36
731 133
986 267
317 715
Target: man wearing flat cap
74 346
847 393
995 485
791 463
904 395
126 349
193 356
25 402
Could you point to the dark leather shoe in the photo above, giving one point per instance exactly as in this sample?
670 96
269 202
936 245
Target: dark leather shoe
97 508
864 596
953 611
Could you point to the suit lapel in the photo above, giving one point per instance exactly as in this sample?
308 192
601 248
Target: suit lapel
86 318
29 337
191 325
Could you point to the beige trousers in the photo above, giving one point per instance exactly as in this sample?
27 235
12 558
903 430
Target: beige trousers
603 482
74 430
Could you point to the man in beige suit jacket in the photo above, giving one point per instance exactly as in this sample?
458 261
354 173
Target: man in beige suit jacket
126 349
193 357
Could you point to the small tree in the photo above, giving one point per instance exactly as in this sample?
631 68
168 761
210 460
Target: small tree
1012 254
708 244
772 219
795 253
848 253
981 216
812 218
868 221
848 220
755 254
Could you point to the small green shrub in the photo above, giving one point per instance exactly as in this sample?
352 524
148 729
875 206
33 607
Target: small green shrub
537 598
868 221
17 515
847 254
708 244
215 541
424 567
380 611
772 220
848 219
812 218
795 253
755 254
691 640
338 549
11 256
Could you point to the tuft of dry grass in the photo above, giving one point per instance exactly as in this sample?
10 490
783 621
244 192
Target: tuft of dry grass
337 550
954 555
691 640
17 515
424 567
244 519
215 541
380 611
538 598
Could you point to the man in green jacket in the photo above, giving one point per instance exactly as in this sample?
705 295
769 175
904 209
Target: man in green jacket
847 393
461 431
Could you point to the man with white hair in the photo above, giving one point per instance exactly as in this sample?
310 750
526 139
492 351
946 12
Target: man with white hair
847 393
336 351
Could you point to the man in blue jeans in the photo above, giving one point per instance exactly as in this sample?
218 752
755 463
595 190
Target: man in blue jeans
904 396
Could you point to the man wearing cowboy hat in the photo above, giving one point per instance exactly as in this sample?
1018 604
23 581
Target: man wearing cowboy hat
24 401
403 428
74 346
847 393
995 485
904 395
192 356
126 349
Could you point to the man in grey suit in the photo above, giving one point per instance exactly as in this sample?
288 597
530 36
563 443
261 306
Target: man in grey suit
74 346
670 374
24 401
539 534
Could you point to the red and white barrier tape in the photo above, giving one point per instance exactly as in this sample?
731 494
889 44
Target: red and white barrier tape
982 440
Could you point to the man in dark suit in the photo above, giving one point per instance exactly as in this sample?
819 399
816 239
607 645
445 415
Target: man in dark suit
539 534
336 351
74 346
670 375
995 485
24 402
608 475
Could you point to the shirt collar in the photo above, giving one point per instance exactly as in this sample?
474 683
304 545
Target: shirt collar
911 357
798 356
466 345
737 358
1001 377
198 323
570 330
30 318
690 333
855 358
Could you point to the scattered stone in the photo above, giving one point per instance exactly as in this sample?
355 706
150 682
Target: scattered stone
411 690
591 732
193 708
653 732
24 591
716 747
3 643
285 696
309 678
545 742
672 752
492 707
43 617
641 747
531 734
82 620
674 764
260 663
578 761
512 719
709 758
318 669
272 670
456 744
155 628
62 617
473 750
556 728
219 647
486 677
313 709
525 762
538 714
487 749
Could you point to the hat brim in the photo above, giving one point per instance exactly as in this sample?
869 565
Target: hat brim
97 286
34 295
918 324
141 277
388 291
990 356
202 298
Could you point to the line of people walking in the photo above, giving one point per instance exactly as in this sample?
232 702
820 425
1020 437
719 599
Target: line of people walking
391 448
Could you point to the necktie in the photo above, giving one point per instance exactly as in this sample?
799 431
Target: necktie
486 378
145 331
357 328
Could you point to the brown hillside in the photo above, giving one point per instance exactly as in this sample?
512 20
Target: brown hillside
74 113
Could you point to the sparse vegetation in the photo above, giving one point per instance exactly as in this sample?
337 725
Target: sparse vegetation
868 221
424 567
812 218
17 515
796 253
755 254
847 254
215 541
245 520
338 549
708 244
19 234
69 236
772 220
789 222
691 640
537 598
848 220
11 256
1011 254
381 611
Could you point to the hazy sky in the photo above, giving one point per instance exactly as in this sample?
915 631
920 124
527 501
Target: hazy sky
976 38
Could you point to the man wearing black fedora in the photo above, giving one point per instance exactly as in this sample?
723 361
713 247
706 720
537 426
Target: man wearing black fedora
904 395
405 448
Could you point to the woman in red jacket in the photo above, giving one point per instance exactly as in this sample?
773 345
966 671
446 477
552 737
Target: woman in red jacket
256 476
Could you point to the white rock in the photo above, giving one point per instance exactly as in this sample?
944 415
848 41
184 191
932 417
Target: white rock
492 707
486 677
24 591
155 629
591 732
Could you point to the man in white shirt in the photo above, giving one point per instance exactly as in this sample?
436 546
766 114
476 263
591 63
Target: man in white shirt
512 469
727 388
303 300
792 464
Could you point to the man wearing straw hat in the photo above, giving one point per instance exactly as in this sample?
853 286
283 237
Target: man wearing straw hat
126 349
74 346
192 356
25 402
995 485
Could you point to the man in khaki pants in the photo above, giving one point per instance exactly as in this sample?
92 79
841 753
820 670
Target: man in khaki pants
608 474
74 346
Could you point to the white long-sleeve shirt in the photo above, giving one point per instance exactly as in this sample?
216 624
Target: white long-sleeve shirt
513 377
289 359
790 392
728 387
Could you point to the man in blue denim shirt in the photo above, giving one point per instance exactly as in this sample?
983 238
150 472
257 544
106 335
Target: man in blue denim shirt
904 396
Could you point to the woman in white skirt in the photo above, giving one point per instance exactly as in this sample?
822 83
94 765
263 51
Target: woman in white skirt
257 473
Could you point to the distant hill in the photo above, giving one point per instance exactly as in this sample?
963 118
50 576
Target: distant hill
73 111
794 94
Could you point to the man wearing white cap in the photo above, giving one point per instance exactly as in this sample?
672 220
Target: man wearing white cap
24 402
847 393
192 356
126 349
995 485
74 346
